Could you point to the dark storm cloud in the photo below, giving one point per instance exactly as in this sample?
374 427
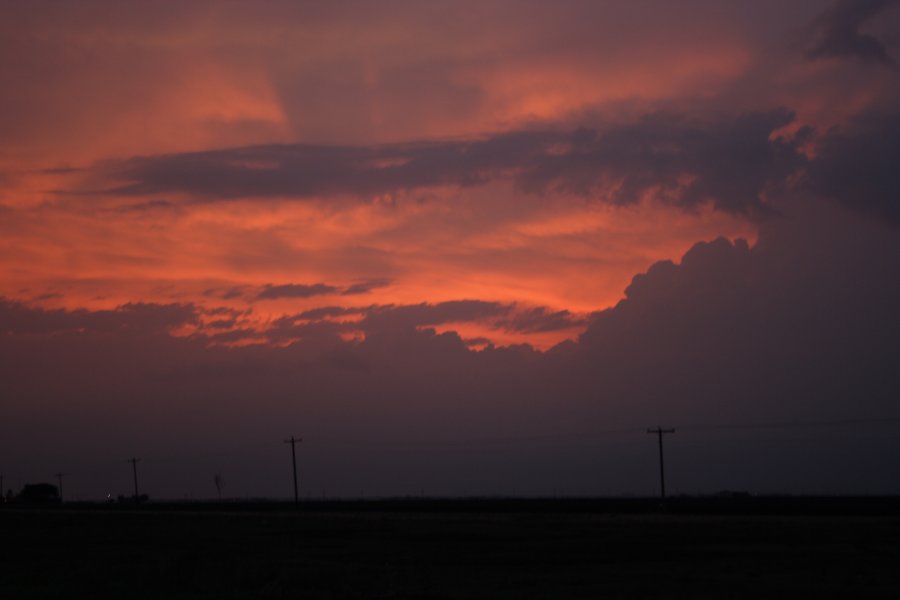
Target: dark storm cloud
840 36
364 287
806 314
507 317
233 336
287 329
419 315
378 319
16 318
537 320
303 170
294 290
859 166
323 312
229 293
801 327
390 317
320 322
299 290
728 161
221 324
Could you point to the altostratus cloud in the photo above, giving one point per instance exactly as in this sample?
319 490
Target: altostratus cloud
684 161
732 163
801 326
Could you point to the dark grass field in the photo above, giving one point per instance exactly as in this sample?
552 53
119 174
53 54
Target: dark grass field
405 550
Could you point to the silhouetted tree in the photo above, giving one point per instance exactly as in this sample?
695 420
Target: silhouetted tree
39 493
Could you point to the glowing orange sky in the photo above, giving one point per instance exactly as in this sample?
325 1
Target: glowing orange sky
204 78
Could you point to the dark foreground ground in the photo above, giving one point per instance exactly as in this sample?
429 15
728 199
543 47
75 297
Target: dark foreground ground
367 552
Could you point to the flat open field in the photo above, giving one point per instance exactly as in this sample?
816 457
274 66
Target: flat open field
183 553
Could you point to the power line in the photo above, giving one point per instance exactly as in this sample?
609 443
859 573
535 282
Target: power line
513 439
582 438
232 450
791 424
597 433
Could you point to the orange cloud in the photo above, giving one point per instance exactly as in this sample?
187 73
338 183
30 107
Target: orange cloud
150 82
558 252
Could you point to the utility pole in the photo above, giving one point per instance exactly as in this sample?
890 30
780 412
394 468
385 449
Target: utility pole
293 442
59 477
659 431
134 462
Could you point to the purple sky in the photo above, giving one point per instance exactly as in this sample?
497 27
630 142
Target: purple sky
470 249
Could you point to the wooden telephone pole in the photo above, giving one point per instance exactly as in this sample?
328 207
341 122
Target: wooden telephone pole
293 442
659 431
134 462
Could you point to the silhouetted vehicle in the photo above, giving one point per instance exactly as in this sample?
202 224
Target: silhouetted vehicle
38 493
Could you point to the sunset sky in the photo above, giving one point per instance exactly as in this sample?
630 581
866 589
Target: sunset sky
460 248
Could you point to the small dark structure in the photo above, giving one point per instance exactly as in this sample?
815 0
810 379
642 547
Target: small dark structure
39 493
133 500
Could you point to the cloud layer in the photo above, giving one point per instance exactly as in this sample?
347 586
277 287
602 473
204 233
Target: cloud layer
799 328
411 233
840 32
729 163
